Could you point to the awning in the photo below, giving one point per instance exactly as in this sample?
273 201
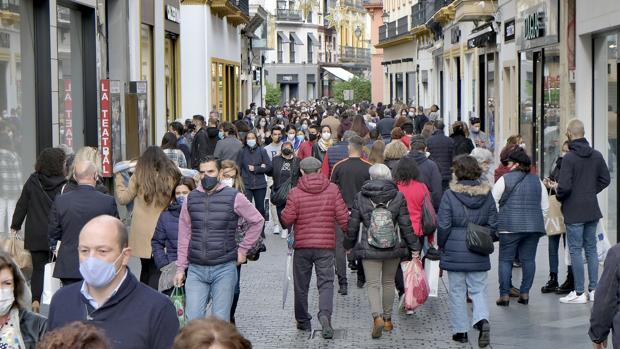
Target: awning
340 73
255 22
315 41
296 39
283 37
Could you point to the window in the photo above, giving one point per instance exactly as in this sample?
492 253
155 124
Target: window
225 88
146 74
280 50
310 46
292 49
171 74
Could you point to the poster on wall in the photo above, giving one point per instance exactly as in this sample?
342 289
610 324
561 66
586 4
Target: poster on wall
105 129
115 110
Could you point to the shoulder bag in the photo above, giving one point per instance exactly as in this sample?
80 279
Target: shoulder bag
479 238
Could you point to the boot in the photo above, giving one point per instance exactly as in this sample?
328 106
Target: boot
388 325
326 327
484 338
551 285
460 337
569 285
377 327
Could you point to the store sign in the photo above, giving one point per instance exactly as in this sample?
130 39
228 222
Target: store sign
509 30
105 139
67 125
534 26
173 14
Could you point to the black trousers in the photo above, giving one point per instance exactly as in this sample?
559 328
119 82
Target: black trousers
323 262
39 260
258 197
233 309
149 274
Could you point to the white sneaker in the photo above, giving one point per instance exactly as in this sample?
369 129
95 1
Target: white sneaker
591 295
573 298
409 312
276 230
284 233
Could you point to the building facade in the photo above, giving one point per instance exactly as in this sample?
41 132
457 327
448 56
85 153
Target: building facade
375 11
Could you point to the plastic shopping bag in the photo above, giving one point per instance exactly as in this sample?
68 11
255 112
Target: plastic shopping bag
431 270
416 287
178 300
50 283
602 242
166 279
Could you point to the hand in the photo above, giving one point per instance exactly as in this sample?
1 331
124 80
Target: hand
415 254
600 345
178 279
241 258
251 168
14 232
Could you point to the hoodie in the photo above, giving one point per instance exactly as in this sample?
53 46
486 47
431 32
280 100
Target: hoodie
465 202
429 175
583 175
314 206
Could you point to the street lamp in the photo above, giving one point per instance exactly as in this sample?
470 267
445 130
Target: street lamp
385 17
358 32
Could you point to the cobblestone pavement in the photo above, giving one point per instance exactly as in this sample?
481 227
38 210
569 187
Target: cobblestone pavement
545 323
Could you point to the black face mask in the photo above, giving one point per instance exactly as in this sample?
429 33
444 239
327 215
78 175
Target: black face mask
209 182
287 151
312 137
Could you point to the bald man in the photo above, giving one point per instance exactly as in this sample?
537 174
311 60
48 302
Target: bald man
69 214
131 314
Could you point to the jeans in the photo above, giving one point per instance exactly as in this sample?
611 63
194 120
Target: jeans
509 244
341 257
217 283
554 246
582 236
380 276
323 262
461 284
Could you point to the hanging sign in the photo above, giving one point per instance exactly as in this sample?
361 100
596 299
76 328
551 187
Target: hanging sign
105 139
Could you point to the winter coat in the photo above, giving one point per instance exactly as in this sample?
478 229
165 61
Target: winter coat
335 153
462 144
228 148
583 175
441 148
184 147
385 126
256 157
520 198
165 239
420 120
32 327
605 314
68 215
349 175
35 202
414 193
429 175
200 145
305 150
453 220
313 207
276 171
144 216
317 152
379 192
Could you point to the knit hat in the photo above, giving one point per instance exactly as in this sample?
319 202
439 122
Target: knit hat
519 156
310 165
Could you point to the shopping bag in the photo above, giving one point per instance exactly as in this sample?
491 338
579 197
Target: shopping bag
288 276
602 242
554 222
178 300
50 283
431 271
166 279
14 246
416 287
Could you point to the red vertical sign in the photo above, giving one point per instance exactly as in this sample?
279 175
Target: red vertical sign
106 129
68 106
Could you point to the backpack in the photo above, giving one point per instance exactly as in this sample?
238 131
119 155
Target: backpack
429 217
382 230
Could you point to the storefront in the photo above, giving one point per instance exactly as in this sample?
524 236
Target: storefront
171 60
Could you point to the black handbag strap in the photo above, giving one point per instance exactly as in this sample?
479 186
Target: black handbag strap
505 196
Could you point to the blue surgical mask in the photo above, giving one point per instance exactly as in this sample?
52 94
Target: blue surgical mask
304 126
98 273
180 200
221 135
251 143
300 138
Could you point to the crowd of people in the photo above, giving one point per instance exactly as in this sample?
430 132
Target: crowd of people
200 206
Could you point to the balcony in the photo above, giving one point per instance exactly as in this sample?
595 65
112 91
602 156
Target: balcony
244 6
356 4
474 10
242 15
439 4
355 55
394 33
421 13
288 15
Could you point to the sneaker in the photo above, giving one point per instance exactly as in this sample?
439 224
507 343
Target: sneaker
591 295
573 298
409 312
276 230
284 233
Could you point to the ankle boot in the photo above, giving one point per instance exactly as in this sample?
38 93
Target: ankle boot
387 324
568 286
551 285
377 327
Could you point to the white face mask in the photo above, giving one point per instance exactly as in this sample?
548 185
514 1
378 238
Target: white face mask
291 136
7 298
229 182
326 136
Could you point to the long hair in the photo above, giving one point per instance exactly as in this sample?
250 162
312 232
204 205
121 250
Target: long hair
376 153
229 164
169 141
155 175
359 126
407 171
21 291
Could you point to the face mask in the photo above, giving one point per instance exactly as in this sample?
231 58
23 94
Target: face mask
209 182
279 116
98 273
275 139
522 145
221 134
326 136
301 138
290 137
7 298
410 113
262 123
287 151
475 129
304 127
180 199
229 182
251 143
312 137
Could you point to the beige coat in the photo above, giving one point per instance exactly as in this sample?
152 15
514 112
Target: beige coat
144 217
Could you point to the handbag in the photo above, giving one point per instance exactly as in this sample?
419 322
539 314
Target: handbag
478 238
429 217
554 221
14 246
178 300
278 197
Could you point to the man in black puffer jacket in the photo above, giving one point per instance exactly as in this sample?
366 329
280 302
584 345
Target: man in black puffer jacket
441 148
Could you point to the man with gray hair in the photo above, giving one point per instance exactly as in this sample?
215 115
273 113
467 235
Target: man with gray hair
583 175
68 215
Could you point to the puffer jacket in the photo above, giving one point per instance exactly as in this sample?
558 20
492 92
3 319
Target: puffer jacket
313 207
441 148
165 238
453 220
379 192
256 156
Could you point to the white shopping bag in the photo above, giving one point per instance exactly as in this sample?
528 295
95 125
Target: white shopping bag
50 283
602 242
431 269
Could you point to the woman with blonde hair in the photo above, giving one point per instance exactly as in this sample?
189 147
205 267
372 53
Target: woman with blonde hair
84 154
150 189
394 151
376 153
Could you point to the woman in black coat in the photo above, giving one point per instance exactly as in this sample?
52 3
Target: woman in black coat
35 202
380 265
284 167
254 163
460 135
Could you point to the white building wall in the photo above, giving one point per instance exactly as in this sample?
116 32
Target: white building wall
158 72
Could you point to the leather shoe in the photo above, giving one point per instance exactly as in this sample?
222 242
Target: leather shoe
460 337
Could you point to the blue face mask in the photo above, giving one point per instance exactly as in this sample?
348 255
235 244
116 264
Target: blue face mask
251 143
221 135
98 273
180 200
300 138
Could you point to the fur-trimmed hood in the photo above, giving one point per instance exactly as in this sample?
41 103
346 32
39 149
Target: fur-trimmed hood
472 194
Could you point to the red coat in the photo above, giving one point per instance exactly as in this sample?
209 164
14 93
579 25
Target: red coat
313 207
414 195
305 150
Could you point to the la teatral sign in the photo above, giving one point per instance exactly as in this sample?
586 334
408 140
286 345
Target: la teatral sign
105 138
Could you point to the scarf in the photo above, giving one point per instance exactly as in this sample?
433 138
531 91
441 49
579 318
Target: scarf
323 145
10 334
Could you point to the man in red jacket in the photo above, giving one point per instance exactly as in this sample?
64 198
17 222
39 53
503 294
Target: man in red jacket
313 207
